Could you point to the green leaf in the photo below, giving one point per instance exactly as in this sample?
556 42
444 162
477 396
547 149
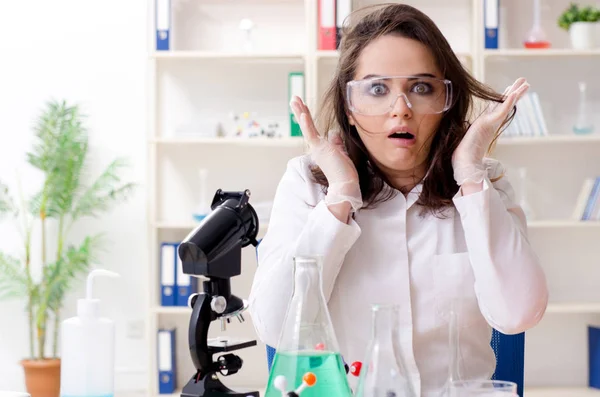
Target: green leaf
6 203
60 152
13 279
59 276
106 190
575 13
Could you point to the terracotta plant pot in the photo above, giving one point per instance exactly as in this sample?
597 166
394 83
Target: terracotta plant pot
42 377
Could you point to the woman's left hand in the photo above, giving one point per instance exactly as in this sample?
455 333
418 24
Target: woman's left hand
467 159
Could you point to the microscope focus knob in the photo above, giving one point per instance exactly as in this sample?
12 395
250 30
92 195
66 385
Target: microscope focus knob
218 304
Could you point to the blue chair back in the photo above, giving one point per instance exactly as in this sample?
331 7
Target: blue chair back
510 358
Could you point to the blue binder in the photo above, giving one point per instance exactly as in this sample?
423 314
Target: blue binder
167 373
167 274
163 25
186 285
491 16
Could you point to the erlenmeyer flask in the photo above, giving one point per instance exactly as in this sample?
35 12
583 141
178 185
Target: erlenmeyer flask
383 372
308 347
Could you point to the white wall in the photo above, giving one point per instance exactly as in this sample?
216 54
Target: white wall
92 52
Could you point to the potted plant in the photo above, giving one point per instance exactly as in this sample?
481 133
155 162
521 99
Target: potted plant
582 25
65 196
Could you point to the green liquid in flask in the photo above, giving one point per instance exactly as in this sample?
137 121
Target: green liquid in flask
327 366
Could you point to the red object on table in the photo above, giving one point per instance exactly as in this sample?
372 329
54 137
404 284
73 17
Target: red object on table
355 368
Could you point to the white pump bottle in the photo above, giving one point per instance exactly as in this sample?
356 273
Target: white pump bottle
88 348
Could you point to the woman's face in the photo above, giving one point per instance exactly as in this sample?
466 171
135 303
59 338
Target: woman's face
397 137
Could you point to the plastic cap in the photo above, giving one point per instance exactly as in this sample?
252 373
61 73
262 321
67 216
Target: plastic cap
88 307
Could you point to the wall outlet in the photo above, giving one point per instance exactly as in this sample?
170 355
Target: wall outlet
135 329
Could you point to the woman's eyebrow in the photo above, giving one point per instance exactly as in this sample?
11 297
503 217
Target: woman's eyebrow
417 75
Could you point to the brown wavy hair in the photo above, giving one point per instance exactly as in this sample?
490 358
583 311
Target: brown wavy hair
439 185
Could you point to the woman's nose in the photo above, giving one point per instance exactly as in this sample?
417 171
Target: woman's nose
401 107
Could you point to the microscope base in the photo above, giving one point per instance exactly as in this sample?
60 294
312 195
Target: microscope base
209 387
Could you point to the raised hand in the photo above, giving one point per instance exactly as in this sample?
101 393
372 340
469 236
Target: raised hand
331 157
467 160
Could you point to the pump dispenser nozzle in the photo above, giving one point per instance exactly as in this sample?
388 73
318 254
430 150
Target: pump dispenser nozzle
89 306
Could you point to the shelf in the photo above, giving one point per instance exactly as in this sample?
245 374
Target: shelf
561 392
548 139
548 224
191 225
216 55
551 52
574 308
556 308
269 142
173 310
333 54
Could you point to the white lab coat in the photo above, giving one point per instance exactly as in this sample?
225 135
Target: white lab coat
479 253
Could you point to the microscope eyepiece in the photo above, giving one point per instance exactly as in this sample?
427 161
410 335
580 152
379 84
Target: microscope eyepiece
231 223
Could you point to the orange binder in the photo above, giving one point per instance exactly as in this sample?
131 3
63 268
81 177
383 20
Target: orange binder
327 28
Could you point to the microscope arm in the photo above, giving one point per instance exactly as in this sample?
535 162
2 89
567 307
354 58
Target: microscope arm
202 315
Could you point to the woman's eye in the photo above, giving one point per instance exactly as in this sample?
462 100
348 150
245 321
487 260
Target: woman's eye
378 89
422 88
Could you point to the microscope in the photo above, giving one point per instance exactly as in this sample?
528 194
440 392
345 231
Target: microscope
214 250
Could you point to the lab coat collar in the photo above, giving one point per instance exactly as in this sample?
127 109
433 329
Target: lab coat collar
409 199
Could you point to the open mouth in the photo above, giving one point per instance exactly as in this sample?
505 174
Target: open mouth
402 135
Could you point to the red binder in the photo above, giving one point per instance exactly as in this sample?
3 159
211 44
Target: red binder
327 28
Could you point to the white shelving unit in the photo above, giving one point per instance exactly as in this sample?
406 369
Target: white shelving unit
206 75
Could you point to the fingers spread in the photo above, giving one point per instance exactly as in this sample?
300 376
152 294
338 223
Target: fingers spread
307 126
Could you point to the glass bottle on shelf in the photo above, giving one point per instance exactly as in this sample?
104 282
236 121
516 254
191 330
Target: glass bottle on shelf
203 207
383 372
583 124
307 353
536 36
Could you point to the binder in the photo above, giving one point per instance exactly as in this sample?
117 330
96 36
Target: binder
186 285
167 274
491 21
167 373
163 25
342 10
295 88
326 17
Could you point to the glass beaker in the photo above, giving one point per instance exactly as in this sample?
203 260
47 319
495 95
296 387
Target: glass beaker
308 347
483 388
383 372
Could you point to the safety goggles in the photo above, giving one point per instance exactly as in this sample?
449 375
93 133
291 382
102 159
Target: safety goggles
378 95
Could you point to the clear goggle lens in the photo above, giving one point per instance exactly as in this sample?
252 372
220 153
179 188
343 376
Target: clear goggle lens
377 96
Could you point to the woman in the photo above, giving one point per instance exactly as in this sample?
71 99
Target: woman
403 205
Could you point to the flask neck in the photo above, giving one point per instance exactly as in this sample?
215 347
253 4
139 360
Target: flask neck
307 325
385 326
307 278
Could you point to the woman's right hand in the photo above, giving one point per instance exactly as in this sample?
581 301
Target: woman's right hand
331 157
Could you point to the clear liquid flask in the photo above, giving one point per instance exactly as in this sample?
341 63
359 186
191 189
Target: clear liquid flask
308 347
383 372
583 125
